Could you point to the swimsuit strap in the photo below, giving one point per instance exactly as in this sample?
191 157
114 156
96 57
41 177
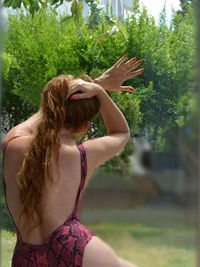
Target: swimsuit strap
83 159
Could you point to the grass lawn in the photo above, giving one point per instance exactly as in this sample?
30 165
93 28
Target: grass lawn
150 246
146 242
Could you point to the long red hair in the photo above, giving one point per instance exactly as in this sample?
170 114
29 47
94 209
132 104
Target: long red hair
57 111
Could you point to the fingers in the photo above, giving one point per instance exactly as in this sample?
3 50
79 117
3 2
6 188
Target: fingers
131 61
79 96
120 61
128 65
134 66
127 89
134 74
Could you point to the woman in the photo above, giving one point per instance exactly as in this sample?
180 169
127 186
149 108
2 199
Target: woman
46 170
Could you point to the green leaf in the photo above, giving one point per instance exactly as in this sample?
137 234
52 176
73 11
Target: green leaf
53 2
74 7
36 5
66 19
8 3
59 4
16 4
25 3
44 4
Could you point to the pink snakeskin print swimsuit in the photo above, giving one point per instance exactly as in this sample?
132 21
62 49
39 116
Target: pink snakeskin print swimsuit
65 246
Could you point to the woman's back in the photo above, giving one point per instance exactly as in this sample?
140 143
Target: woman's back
57 201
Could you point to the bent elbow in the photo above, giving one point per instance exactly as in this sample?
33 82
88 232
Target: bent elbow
127 137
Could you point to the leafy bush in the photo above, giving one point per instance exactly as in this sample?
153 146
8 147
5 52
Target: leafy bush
45 45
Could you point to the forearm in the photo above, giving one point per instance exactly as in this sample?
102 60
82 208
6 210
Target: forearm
113 117
100 82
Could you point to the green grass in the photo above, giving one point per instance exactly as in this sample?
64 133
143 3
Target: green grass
146 246
161 236
8 243
150 246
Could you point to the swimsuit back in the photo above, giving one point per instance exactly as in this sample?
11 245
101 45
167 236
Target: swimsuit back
76 210
65 245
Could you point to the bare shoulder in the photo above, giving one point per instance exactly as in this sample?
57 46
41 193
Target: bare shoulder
16 132
16 144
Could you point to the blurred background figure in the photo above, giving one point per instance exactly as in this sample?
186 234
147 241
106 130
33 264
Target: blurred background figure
142 157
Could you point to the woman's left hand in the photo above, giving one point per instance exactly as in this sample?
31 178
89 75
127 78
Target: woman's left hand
120 72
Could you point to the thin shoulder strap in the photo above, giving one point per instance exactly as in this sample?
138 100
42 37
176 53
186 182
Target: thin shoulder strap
83 161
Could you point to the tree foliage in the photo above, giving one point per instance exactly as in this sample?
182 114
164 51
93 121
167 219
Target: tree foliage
40 47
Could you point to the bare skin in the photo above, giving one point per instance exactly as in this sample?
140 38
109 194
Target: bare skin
54 199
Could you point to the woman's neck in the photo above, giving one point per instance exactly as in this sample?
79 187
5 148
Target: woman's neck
36 118
32 122
65 134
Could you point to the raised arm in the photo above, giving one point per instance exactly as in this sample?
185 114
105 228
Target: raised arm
114 119
101 149
121 71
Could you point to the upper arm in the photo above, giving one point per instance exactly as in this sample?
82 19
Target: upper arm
101 149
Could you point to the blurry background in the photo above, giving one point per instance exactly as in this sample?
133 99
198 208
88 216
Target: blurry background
143 202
